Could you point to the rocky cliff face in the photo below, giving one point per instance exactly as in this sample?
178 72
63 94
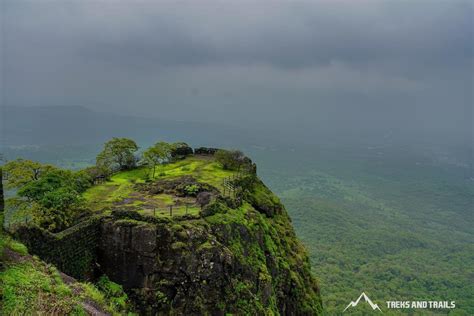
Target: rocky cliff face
238 255
233 260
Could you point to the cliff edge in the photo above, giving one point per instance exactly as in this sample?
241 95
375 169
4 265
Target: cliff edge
196 239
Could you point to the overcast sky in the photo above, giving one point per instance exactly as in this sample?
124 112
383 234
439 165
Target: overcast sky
294 64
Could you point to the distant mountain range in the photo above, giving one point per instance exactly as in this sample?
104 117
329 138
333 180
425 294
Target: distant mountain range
63 125
38 126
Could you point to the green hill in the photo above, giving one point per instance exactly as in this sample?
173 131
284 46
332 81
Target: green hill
196 238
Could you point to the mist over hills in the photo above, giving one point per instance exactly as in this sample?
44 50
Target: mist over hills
77 125
334 184
47 125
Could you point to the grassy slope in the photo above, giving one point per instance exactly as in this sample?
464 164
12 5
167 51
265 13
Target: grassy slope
119 190
29 286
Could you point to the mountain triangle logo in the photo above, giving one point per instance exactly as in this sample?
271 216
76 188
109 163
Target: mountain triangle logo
366 299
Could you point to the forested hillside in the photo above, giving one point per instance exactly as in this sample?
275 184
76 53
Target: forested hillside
392 220
397 226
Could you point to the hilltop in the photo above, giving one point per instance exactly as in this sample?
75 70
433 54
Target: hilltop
197 234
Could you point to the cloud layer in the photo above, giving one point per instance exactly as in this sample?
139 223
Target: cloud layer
298 63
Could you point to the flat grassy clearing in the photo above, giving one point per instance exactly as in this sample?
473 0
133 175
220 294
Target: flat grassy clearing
119 192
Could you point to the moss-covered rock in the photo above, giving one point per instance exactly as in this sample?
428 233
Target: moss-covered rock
239 255
231 261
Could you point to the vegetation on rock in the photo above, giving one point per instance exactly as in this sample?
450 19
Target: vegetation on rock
28 286
203 236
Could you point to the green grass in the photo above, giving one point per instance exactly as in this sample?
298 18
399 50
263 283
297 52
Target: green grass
204 169
30 288
10 243
119 192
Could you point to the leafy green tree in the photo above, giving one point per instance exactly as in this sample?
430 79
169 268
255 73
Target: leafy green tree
53 219
61 199
83 179
54 199
117 152
21 171
53 180
180 150
158 154
88 175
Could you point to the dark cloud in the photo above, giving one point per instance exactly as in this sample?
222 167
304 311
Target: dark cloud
220 59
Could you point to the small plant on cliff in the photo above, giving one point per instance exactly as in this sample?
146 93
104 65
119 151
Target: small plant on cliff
113 292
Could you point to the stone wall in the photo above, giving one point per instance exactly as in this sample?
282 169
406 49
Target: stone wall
73 251
128 251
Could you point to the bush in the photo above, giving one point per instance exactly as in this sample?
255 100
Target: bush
114 292
214 208
180 151
230 159
191 189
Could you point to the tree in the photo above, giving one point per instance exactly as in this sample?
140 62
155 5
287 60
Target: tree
90 174
21 171
62 199
117 152
53 180
230 159
180 151
158 154
54 199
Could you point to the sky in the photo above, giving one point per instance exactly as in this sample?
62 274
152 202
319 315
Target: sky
300 67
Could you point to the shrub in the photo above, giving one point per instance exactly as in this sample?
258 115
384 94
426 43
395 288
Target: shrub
230 159
191 189
214 208
113 291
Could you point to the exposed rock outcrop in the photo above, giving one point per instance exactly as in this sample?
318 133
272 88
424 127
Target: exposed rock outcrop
238 254
229 262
